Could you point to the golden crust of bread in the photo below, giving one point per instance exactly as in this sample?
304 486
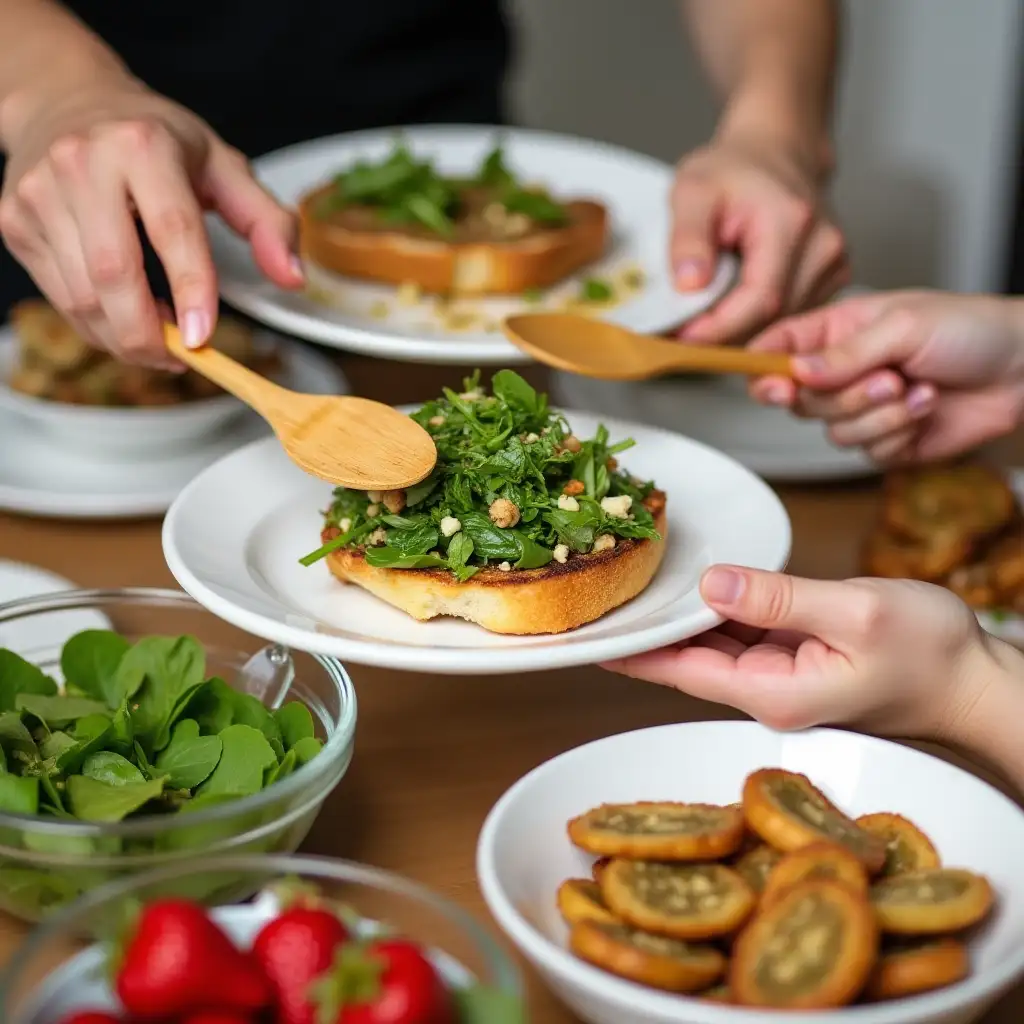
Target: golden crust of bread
554 599
538 260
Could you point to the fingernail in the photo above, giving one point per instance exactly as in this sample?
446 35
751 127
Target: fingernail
296 266
195 328
691 273
776 394
722 586
882 389
920 398
809 366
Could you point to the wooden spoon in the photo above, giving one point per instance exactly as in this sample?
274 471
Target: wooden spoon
346 441
594 348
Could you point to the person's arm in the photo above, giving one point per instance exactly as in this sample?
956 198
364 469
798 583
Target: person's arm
773 64
46 51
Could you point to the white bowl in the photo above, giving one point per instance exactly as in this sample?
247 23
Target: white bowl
524 853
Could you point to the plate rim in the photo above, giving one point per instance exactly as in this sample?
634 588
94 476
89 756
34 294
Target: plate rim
455 660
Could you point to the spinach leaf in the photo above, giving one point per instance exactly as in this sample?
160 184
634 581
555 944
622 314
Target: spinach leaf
295 721
416 538
90 734
536 205
306 749
517 393
277 772
16 740
90 661
246 755
386 557
489 541
19 794
189 758
212 706
18 676
92 800
494 170
113 769
58 711
57 743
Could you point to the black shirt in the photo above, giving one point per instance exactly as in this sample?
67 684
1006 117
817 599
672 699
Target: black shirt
270 73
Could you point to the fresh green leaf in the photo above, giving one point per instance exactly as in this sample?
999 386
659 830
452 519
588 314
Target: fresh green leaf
295 721
89 661
246 756
18 676
386 557
56 744
494 171
189 758
212 706
16 740
306 749
480 1005
19 794
277 772
92 800
594 289
112 769
59 710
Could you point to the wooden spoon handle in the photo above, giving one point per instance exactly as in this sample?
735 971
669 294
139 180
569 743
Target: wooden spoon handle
256 391
719 359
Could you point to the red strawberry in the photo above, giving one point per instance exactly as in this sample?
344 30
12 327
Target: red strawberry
218 1017
90 1017
384 982
179 962
293 950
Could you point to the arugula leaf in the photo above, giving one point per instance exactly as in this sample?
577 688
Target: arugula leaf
18 676
92 800
494 170
112 769
19 794
90 660
295 721
58 711
246 755
189 758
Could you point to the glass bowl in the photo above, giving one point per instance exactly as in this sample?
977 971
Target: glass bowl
50 975
46 863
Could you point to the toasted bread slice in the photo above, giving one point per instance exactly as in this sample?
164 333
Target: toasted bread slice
554 599
354 243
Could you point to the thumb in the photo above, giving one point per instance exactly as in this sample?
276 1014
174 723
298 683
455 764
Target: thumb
889 341
254 214
693 249
775 600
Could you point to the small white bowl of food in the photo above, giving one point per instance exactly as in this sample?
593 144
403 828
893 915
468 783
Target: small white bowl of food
723 873
86 400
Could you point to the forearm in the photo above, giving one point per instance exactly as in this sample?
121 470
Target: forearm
46 52
773 62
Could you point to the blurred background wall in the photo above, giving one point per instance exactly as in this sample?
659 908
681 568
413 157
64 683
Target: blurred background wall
927 129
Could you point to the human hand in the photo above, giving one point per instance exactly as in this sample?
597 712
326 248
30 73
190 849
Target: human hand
893 657
758 199
84 167
908 375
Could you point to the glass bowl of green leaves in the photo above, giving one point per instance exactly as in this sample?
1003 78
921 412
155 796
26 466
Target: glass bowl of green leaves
128 741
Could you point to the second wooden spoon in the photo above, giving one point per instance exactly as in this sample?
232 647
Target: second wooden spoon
595 348
346 441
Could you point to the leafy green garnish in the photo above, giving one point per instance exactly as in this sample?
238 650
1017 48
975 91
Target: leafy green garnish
508 448
594 289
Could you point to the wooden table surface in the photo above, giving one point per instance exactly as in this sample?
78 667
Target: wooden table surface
433 754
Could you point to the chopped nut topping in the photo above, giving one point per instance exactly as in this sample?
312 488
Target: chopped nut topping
612 463
450 526
567 503
571 443
394 501
574 487
561 553
503 513
604 543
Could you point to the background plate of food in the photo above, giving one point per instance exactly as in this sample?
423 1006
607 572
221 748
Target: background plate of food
541 540
418 241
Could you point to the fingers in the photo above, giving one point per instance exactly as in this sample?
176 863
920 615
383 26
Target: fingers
250 211
879 423
822 270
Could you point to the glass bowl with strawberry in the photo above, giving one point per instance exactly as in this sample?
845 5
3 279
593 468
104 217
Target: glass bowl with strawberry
138 730
320 942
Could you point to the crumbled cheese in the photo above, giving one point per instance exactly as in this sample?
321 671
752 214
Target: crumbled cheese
372 510
379 310
531 438
379 536
472 396
604 543
450 526
409 293
345 524
617 507
561 553
567 503
505 566
375 496
436 421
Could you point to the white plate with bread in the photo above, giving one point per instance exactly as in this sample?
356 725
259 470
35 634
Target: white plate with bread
418 241
542 540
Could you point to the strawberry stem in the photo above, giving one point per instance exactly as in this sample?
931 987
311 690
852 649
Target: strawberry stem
353 978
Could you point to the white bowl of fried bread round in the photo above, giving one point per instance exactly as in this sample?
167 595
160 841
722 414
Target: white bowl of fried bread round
525 855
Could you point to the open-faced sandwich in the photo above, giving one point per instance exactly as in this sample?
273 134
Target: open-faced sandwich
522 527
399 221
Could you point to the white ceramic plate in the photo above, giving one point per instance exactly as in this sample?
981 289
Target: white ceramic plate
234 537
129 431
635 189
40 632
41 477
524 853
